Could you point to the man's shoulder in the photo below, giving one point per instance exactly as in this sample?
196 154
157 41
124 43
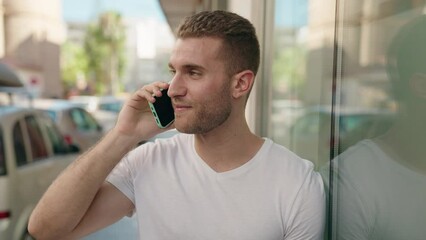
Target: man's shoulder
288 159
288 169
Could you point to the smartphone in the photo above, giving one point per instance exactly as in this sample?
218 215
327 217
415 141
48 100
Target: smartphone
162 110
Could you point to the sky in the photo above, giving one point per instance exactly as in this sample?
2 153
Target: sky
291 13
288 13
87 10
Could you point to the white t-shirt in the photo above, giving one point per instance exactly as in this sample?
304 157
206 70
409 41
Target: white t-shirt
378 198
275 195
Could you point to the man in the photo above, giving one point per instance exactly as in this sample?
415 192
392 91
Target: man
216 180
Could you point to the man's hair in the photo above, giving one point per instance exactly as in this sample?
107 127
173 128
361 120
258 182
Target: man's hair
240 46
407 55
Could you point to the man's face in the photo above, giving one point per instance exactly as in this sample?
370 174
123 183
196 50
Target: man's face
200 88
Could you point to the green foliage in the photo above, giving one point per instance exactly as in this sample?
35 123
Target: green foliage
288 72
105 44
74 64
101 59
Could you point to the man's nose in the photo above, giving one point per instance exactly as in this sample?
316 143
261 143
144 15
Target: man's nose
176 87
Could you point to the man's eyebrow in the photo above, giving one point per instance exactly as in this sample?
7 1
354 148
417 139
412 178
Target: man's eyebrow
188 66
193 66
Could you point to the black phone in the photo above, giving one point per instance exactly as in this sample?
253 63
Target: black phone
162 109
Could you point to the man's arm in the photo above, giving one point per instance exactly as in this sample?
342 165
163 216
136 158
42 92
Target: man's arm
79 201
76 197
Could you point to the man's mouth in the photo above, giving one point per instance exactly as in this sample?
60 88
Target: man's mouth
180 107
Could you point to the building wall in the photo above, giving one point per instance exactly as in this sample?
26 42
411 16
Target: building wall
33 35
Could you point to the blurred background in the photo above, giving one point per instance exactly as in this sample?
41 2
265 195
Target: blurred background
322 86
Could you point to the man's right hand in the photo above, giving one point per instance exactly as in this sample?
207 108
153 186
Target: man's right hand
135 119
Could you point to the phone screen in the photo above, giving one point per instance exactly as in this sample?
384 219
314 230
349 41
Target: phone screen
162 110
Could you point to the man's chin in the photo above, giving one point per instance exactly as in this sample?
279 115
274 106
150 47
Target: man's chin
186 128
182 127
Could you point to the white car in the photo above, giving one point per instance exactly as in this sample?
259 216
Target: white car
78 126
32 154
104 108
93 103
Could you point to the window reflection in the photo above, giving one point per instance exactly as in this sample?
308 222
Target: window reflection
359 97
380 178
301 77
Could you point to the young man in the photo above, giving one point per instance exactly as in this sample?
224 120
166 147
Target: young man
215 180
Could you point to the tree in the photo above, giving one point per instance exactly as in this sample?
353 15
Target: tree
74 64
105 44
288 72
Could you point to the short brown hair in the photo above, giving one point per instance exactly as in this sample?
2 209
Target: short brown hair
240 45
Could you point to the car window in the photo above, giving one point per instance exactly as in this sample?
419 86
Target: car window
112 107
19 145
38 145
52 115
55 137
83 120
2 155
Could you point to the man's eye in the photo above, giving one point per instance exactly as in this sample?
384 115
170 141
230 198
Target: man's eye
172 71
194 73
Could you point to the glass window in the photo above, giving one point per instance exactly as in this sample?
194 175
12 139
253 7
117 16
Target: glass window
302 68
38 145
380 174
83 120
55 137
2 155
19 145
52 114
112 107
348 93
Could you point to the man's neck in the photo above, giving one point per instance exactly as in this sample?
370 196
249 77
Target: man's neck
224 149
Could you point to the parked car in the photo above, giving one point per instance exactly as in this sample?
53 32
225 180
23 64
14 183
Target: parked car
32 154
77 125
104 108
93 103
310 134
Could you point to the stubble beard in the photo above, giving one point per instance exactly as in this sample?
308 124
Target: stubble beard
209 114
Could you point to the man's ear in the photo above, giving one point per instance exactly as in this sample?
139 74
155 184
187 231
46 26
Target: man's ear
242 83
418 85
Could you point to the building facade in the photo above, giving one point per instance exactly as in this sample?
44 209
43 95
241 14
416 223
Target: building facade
31 38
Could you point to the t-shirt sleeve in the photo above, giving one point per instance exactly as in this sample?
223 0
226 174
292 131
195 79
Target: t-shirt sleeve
308 211
122 176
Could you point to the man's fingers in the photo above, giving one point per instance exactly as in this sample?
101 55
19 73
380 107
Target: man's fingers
152 90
